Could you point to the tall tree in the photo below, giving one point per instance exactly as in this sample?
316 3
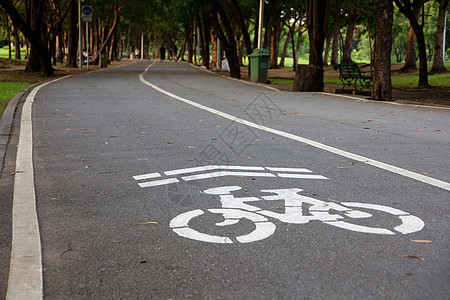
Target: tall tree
438 61
381 88
39 57
310 78
406 8
411 57
116 7
72 35
227 39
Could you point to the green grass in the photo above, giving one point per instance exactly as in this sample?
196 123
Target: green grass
8 90
402 81
4 53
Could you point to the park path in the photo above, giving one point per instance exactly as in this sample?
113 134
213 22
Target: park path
133 167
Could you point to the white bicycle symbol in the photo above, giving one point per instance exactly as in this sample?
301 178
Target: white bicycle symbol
234 209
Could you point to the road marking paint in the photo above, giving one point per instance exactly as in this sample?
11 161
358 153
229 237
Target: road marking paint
158 182
382 102
289 170
25 273
226 173
359 158
235 208
147 176
301 176
212 167
359 228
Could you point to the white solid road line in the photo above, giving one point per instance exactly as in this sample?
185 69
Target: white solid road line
25 273
416 176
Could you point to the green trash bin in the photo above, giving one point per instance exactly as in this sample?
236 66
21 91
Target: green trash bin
103 59
259 65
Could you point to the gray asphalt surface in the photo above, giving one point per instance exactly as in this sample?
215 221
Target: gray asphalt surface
105 237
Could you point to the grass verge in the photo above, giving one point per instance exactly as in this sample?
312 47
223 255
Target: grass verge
8 90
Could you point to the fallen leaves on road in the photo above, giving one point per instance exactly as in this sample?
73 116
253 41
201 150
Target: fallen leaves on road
14 173
413 256
146 158
144 223
192 147
337 167
64 154
421 241
169 143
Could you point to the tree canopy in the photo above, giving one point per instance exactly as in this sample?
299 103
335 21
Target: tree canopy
346 30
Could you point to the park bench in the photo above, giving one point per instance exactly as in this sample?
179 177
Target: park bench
352 76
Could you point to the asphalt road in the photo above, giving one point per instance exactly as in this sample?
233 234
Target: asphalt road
107 233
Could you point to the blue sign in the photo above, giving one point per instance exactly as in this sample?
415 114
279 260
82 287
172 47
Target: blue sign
87 10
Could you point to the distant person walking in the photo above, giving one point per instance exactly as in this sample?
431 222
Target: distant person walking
162 53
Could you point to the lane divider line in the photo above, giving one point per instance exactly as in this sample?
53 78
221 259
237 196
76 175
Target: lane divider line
393 169
25 273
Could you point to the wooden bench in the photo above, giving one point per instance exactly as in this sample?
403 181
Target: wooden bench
351 76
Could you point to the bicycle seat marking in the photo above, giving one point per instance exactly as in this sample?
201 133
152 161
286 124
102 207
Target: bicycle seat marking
203 172
236 208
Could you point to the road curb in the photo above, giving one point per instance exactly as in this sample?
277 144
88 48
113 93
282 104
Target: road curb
6 122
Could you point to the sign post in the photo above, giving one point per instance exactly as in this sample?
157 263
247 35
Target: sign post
87 17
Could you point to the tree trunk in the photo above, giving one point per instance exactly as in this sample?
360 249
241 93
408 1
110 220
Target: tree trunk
327 49
283 54
182 50
297 48
189 43
423 72
438 61
112 48
8 33
310 78
335 48
16 43
72 43
348 46
243 27
336 32
381 89
276 35
214 51
31 31
406 8
228 41
411 58
111 32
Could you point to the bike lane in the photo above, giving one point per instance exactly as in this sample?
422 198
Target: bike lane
105 235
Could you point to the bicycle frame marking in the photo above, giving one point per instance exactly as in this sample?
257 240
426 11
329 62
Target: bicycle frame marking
236 208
